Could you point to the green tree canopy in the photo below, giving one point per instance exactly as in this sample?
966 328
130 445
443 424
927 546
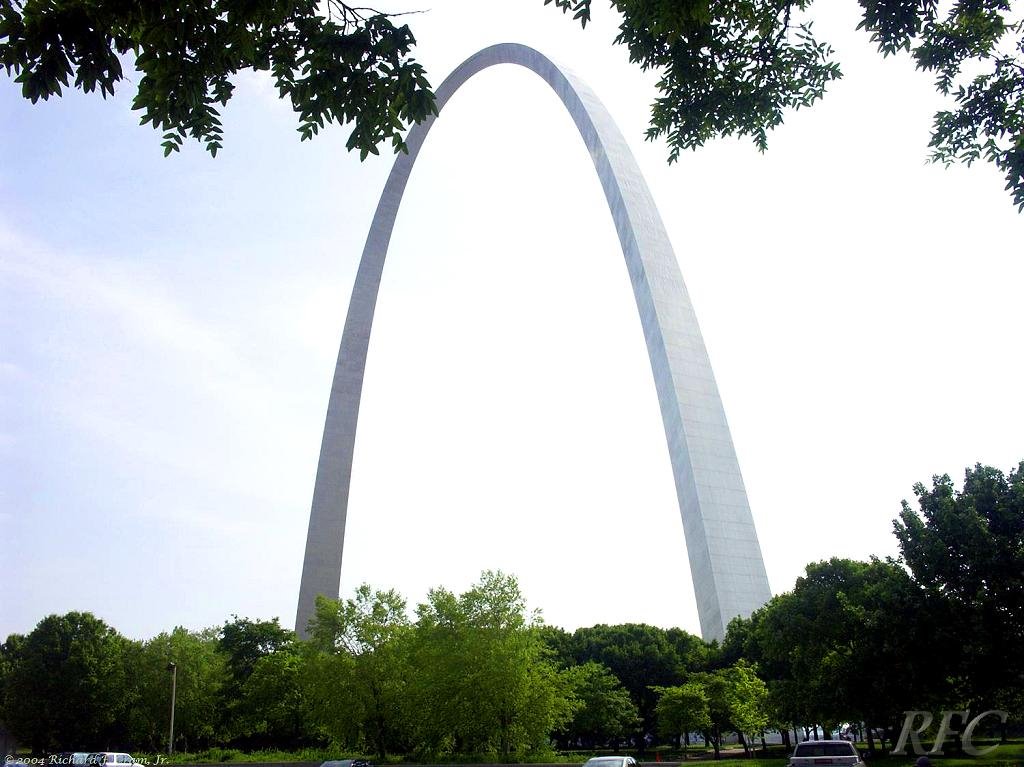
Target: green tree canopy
736 700
726 67
243 642
322 676
748 699
334 62
853 641
201 674
274 706
641 656
65 682
966 550
606 713
484 684
715 687
734 67
362 692
682 710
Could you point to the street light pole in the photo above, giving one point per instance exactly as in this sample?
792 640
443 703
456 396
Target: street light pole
173 668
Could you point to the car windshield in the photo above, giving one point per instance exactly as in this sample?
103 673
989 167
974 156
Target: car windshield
605 761
824 749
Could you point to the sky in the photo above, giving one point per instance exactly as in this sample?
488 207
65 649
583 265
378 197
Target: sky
168 330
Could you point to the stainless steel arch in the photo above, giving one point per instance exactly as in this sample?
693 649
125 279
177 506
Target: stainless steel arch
728 572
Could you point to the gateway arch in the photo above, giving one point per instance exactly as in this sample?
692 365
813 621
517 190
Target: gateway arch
725 559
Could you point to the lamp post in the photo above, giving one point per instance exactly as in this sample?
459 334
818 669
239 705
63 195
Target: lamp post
173 668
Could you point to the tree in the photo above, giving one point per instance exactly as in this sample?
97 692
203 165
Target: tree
748 701
715 685
64 682
606 713
727 68
735 67
367 687
484 684
736 700
693 652
641 656
337 63
274 705
10 651
853 641
243 643
560 645
682 710
328 713
966 551
200 675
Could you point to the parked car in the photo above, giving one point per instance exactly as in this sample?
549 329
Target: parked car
70 759
347 763
110 759
825 753
611 761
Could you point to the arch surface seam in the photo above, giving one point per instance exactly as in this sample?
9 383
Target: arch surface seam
728 571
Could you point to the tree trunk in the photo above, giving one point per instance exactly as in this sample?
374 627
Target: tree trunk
871 736
709 739
505 721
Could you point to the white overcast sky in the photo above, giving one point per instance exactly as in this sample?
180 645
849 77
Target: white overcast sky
168 329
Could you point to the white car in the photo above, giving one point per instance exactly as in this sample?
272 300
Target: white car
825 753
611 761
110 759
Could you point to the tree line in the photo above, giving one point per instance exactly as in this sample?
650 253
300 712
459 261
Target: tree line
475 675
939 628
